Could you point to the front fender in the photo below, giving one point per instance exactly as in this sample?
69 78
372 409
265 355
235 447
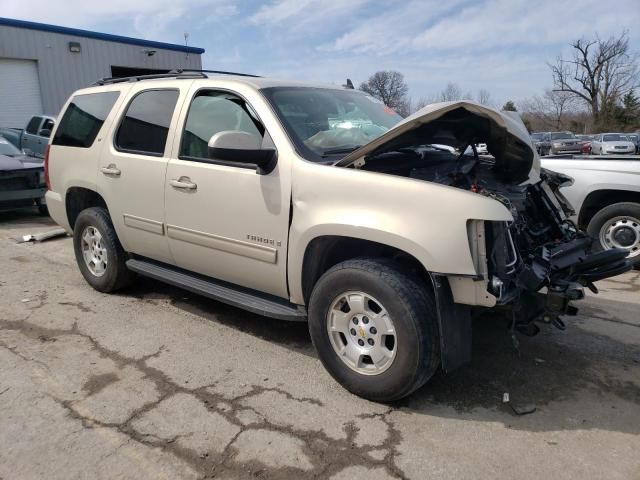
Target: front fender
426 220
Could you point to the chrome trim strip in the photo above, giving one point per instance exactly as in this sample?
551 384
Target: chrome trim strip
145 224
224 244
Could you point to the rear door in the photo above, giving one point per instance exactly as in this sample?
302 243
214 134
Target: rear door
132 167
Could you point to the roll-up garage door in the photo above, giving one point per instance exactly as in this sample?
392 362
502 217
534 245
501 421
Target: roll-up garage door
19 92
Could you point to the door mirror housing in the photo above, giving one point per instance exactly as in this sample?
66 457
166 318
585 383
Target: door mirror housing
243 148
45 132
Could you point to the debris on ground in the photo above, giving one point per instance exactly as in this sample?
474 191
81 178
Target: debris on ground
518 409
41 237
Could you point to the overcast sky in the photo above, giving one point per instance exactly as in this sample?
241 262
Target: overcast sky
498 45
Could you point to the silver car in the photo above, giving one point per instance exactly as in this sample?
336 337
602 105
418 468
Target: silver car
612 143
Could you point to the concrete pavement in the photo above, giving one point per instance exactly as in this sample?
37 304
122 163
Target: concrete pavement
155 382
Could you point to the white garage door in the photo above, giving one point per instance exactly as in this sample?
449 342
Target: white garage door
19 92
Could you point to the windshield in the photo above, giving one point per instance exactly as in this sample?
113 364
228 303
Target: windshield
562 135
8 149
329 123
537 136
614 137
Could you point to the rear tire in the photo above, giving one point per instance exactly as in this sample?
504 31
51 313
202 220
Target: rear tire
396 303
99 255
622 218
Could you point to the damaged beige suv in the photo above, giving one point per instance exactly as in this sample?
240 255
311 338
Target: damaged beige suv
320 204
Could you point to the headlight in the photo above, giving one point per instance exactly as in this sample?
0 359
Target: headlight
41 178
556 144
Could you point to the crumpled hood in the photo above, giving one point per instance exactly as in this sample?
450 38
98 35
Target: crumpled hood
19 163
463 122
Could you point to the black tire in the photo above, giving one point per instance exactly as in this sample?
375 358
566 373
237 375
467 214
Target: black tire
622 209
42 208
116 274
411 307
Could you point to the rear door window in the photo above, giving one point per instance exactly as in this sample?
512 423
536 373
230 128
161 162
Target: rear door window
33 125
145 125
84 118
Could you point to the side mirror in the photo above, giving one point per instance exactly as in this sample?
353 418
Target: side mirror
45 132
242 147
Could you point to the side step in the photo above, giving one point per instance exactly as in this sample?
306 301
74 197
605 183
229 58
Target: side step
255 302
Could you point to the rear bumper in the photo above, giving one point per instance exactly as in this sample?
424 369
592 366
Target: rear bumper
57 210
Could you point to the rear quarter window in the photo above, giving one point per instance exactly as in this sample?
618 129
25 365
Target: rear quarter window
83 119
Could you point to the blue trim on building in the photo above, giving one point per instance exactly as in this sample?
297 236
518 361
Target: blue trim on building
44 27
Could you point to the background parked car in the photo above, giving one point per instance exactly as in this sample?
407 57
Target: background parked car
585 143
34 138
554 143
612 143
537 138
21 179
605 194
635 138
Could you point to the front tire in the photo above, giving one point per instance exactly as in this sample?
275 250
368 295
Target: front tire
99 255
375 329
618 226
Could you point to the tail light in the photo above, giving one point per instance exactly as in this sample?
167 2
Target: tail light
46 167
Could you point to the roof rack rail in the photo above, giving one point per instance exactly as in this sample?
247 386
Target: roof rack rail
218 72
177 73
136 78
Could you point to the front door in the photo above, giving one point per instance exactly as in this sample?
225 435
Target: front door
226 220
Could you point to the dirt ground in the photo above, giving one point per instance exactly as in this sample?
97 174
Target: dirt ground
155 382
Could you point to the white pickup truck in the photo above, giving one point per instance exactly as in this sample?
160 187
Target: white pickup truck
606 197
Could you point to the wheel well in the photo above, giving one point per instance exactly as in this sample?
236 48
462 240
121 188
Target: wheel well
78 199
599 199
325 252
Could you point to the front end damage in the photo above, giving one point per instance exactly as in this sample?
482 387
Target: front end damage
531 268
539 263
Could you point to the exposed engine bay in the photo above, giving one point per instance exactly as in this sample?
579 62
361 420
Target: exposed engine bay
537 264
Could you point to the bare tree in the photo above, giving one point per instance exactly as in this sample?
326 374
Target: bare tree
389 87
421 103
484 97
600 71
552 110
451 93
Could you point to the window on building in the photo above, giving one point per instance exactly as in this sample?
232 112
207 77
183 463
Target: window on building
145 125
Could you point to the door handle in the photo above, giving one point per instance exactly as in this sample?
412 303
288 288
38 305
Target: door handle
111 169
183 183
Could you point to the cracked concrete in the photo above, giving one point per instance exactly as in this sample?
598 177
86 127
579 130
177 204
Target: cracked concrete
157 383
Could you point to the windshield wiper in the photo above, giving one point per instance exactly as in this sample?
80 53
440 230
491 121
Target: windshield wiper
337 151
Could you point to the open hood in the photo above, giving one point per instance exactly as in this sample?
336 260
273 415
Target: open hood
459 124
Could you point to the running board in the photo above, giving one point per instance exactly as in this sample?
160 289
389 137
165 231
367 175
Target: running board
255 302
